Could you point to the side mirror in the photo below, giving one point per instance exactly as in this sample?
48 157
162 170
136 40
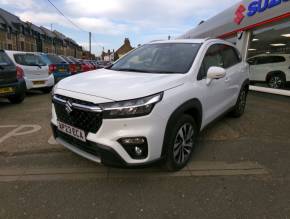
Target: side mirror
215 73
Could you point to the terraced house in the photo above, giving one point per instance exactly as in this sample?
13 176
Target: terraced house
16 34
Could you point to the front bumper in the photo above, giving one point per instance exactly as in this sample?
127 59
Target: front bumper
103 146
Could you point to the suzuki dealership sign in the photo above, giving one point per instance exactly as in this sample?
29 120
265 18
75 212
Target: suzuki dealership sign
255 7
244 15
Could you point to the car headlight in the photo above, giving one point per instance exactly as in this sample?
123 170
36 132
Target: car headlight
130 108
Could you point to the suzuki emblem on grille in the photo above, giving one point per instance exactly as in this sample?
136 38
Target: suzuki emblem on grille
68 107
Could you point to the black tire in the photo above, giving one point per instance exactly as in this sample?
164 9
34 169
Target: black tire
178 151
240 106
17 99
46 90
276 81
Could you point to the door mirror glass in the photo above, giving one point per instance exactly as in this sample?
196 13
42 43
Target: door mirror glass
216 73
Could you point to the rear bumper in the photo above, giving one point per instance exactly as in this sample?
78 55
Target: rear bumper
60 75
48 82
19 86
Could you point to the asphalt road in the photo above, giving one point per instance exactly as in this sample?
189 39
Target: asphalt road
240 169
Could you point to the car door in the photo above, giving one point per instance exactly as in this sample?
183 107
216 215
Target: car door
262 66
216 96
235 73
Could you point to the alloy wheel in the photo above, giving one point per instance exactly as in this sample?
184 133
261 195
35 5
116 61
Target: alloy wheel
183 144
275 82
243 100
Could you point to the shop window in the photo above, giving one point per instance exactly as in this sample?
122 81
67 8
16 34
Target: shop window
269 56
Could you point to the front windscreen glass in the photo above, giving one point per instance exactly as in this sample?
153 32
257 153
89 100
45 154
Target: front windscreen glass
159 58
29 60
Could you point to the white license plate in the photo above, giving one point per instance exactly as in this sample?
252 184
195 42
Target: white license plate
72 131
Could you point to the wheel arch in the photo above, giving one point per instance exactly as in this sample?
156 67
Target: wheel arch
278 72
191 107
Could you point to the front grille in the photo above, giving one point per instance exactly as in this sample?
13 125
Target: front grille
84 146
84 120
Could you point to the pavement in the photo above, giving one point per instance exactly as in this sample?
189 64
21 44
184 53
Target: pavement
240 169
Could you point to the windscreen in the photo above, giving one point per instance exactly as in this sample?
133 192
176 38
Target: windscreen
4 59
29 60
159 58
55 59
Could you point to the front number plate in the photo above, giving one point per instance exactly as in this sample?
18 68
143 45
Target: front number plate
72 131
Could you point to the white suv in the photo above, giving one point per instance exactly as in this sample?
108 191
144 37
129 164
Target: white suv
151 104
274 69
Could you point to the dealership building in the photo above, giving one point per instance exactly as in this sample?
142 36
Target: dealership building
261 31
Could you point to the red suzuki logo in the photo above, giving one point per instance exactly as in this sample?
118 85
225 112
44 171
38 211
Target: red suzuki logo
240 14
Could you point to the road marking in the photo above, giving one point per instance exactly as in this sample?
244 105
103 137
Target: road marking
52 141
19 131
196 169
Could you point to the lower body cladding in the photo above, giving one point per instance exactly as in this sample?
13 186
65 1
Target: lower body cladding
122 142
41 82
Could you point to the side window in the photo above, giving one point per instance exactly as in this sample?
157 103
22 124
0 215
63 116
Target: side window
230 56
277 59
213 58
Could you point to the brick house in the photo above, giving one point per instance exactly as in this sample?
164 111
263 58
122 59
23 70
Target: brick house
47 43
25 36
125 48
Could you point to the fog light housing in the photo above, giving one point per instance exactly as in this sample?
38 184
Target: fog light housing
136 147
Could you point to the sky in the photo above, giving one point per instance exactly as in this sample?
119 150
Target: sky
110 21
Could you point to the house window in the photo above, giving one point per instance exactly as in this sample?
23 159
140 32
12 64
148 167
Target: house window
9 46
32 48
22 46
9 36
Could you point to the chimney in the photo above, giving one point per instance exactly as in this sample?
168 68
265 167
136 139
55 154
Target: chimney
127 41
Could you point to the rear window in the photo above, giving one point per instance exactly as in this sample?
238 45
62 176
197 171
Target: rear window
29 60
4 59
54 59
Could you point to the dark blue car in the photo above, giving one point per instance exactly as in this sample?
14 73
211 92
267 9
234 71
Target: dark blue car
57 66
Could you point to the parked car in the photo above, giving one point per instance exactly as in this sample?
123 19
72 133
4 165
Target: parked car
104 64
12 84
152 103
56 66
85 66
77 63
273 69
35 70
74 66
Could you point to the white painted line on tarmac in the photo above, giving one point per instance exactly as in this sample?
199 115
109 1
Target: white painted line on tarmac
52 141
196 169
20 131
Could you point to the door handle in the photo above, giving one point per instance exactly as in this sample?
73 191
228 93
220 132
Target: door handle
227 79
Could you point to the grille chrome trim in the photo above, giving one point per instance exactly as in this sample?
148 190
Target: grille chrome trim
78 106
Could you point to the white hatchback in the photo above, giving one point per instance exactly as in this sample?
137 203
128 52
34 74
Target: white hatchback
36 72
152 103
